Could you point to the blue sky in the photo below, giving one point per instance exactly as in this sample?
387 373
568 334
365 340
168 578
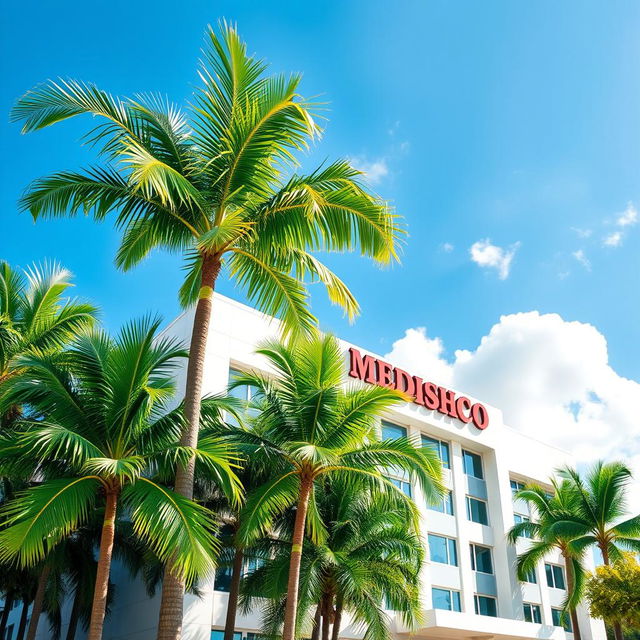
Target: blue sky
512 122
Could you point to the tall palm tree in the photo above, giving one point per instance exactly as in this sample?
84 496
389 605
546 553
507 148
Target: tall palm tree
548 532
600 514
219 188
312 428
370 557
102 408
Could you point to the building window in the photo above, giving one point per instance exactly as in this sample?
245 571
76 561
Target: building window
555 576
472 464
222 579
218 634
9 633
532 613
244 393
518 518
531 577
445 505
392 431
477 510
516 486
485 606
445 599
440 447
561 619
396 476
443 550
481 559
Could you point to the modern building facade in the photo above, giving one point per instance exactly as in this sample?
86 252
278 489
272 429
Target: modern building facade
470 589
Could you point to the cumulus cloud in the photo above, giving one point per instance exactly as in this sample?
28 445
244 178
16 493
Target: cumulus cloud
550 377
581 257
490 256
628 217
614 239
447 247
375 170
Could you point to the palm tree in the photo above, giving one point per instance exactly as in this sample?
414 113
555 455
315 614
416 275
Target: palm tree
312 428
102 408
547 533
218 188
600 514
369 557
36 315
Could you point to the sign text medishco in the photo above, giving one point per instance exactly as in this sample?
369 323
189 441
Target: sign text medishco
427 394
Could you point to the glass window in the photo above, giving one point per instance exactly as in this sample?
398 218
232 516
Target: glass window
9 633
481 559
531 577
472 464
440 447
223 579
518 518
244 393
445 505
485 606
477 510
532 613
516 486
218 634
446 599
392 431
443 550
555 576
561 619
403 485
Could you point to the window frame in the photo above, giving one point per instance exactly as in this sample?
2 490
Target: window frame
440 445
454 601
567 626
467 452
446 500
476 604
449 545
555 568
468 500
401 481
523 518
533 608
474 561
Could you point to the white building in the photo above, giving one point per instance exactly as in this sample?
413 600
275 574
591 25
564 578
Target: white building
470 587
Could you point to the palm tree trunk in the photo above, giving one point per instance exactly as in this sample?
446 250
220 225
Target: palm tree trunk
171 605
293 583
74 616
104 566
617 627
8 605
22 627
315 633
38 601
326 616
568 566
234 592
337 621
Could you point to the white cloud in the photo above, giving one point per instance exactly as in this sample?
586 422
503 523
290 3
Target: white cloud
614 239
550 377
581 257
447 247
375 170
490 256
582 233
628 217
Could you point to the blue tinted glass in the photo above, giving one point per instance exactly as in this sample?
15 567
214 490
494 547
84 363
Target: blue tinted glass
448 503
486 606
558 577
477 511
472 464
456 601
444 454
453 554
392 431
549 571
218 634
483 559
441 599
438 549
222 579
531 577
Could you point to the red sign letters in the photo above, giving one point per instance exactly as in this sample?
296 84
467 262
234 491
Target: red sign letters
427 394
